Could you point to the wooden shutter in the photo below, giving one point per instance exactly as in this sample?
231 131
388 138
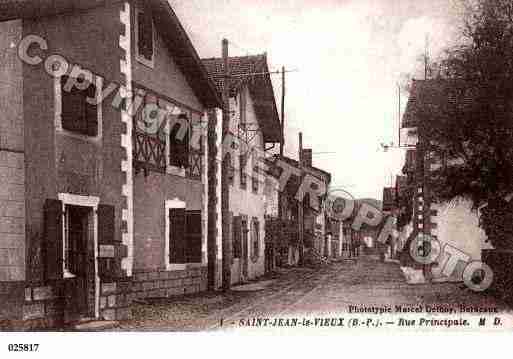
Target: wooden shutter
106 224
255 240
237 236
177 236
107 267
193 236
145 35
91 112
52 241
245 244
186 148
174 146
243 176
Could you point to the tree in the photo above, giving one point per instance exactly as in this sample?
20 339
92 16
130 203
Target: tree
472 130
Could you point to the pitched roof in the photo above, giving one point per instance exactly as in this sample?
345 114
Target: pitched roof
166 21
26 9
254 72
317 172
431 97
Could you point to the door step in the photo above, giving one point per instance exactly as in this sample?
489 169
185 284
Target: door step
95 325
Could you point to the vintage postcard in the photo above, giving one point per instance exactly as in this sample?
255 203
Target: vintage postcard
243 166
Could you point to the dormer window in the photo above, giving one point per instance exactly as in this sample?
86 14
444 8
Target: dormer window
145 37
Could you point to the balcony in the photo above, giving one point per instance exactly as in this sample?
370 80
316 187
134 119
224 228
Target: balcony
150 155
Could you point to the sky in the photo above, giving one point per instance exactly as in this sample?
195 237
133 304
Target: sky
349 56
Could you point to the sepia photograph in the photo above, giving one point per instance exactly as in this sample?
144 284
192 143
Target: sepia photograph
255 166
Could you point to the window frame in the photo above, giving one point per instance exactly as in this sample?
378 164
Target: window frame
139 57
58 104
178 204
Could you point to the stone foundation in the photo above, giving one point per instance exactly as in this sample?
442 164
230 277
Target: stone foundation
162 283
43 306
115 300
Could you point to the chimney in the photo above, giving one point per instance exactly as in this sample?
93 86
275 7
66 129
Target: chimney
307 157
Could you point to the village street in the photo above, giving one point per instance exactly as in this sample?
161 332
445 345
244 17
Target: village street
302 292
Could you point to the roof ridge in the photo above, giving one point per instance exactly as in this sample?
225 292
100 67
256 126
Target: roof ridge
234 57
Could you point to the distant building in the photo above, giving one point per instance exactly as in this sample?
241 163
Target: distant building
389 201
255 122
316 226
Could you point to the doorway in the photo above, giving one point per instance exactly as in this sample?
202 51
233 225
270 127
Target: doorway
81 292
79 262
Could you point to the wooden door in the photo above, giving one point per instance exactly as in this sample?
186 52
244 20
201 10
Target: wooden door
79 258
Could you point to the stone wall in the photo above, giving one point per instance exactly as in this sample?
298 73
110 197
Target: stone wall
160 284
456 225
12 157
12 217
57 162
37 307
115 300
11 297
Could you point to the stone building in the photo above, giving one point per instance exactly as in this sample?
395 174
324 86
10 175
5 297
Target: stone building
103 200
255 123
316 225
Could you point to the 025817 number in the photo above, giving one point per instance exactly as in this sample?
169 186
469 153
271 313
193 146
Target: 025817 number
23 347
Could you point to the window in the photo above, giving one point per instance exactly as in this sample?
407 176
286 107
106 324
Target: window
77 115
237 237
255 240
145 37
242 170
150 115
254 184
179 142
231 170
185 236
254 179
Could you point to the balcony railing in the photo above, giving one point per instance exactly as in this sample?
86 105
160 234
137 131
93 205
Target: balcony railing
149 152
195 164
150 155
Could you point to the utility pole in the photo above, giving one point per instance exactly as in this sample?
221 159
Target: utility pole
282 146
225 189
399 114
426 57
300 205
282 143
